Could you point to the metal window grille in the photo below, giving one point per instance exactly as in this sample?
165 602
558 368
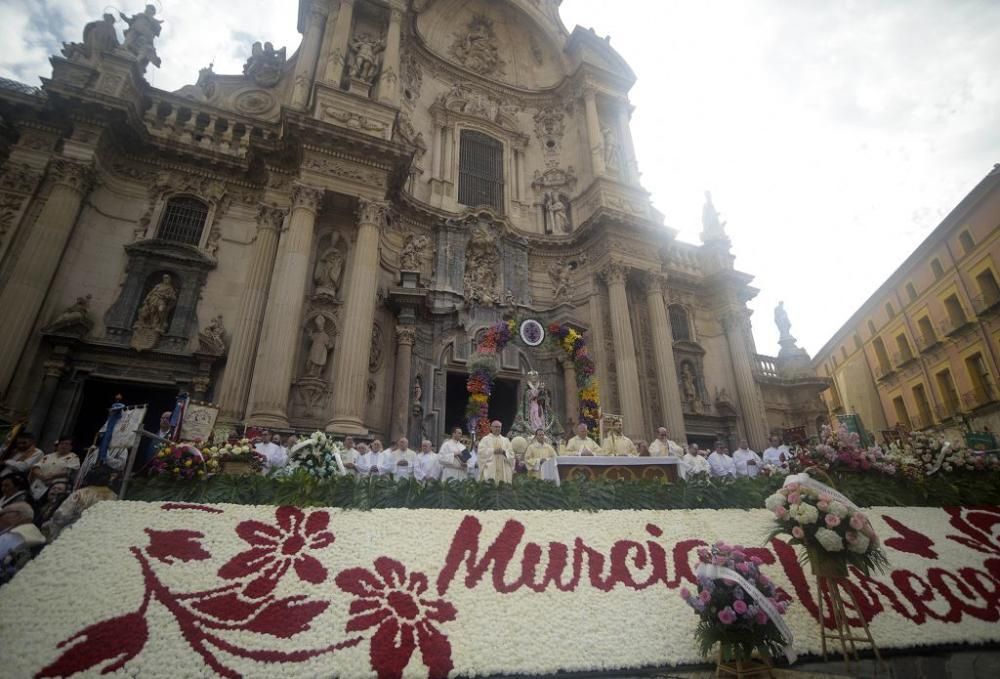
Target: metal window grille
480 170
183 220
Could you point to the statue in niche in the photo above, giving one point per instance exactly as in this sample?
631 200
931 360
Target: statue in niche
98 37
612 154
265 64
536 401
375 353
781 320
559 273
411 258
556 213
329 270
143 29
688 387
320 343
75 318
155 309
212 339
365 58
482 265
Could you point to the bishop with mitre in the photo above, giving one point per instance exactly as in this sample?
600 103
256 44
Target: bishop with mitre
495 456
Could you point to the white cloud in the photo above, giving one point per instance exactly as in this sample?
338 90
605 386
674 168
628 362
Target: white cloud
834 135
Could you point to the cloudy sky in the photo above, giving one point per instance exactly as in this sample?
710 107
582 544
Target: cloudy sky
834 134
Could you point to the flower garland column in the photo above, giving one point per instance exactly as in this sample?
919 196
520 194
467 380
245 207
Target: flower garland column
279 338
630 402
35 266
350 370
569 386
405 337
239 364
752 410
663 354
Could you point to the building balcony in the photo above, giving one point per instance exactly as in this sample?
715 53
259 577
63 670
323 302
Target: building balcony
951 327
766 366
985 305
979 397
884 372
903 358
928 343
922 421
946 411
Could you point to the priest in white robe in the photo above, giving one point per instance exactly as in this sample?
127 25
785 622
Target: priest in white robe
384 461
365 462
694 463
426 466
581 444
496 456
403 459
776 455
539 450
453 467
616 444
722 465
748 463
662 446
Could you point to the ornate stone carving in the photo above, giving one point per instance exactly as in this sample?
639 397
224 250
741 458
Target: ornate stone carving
612 149
712 225
354 120
365 58
781 320
371 390
270 217
18 178
329 271
320 343
143 29
373 212
254 102
556 210
376 352
464 98
414 252
477 48
560 274
615 273
413 78
310 396
73 320
154 314
212 338
554 178
482 264
406 334
98 37
306 198
10 208
76 176
549 128
346 169
265 64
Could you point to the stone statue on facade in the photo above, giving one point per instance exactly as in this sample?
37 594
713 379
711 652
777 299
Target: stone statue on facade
559 273
98 37
477 49
143 29
411 257
154 314
688 387
328 271
320 343
74 319
535 410
612 154
781 320
212 339
265 64
482 266
556 213
365 58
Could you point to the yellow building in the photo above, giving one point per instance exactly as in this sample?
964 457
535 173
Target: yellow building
924 350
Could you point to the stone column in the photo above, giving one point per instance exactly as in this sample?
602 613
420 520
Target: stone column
752 410
629 160
338 43
628 371
276 353
388 82
571 389
35 266
54 368
232 397
305 66
594 136
350 368
405 337
663 354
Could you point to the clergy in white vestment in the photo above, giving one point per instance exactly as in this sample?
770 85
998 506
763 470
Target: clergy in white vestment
721 464
581 444
426 466
403 459
747 462
694 462
776 454
496 456
275 455
384 461
617 444
453 467
365 461
539 450
662 446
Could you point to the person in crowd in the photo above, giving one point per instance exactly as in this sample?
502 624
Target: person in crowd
165 429
365 462
721 464
349 455
403 459
453 455
539 450
747 462
616 444
776 454
694 462
642 448
473 463
275 455
496 455
22 456
581 444
384 462
52 476
662 446
426 467
96 489
16 514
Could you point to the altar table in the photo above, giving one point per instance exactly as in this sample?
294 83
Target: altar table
610 468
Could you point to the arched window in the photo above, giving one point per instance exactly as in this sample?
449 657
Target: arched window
679 324
480 170
183 220
965 238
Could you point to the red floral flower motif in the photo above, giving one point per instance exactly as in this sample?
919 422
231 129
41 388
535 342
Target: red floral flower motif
170 546
981 526
275 549
405 619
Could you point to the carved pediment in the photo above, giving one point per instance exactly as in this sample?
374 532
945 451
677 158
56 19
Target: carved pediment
555 178
477 103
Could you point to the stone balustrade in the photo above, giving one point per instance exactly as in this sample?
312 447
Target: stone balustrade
202 127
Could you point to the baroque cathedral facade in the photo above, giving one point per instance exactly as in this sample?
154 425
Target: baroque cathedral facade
317 242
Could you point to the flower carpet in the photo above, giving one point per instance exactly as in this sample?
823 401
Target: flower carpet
190 590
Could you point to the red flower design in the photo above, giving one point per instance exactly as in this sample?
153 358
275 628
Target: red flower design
275 549
981 526
176 545
404 618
